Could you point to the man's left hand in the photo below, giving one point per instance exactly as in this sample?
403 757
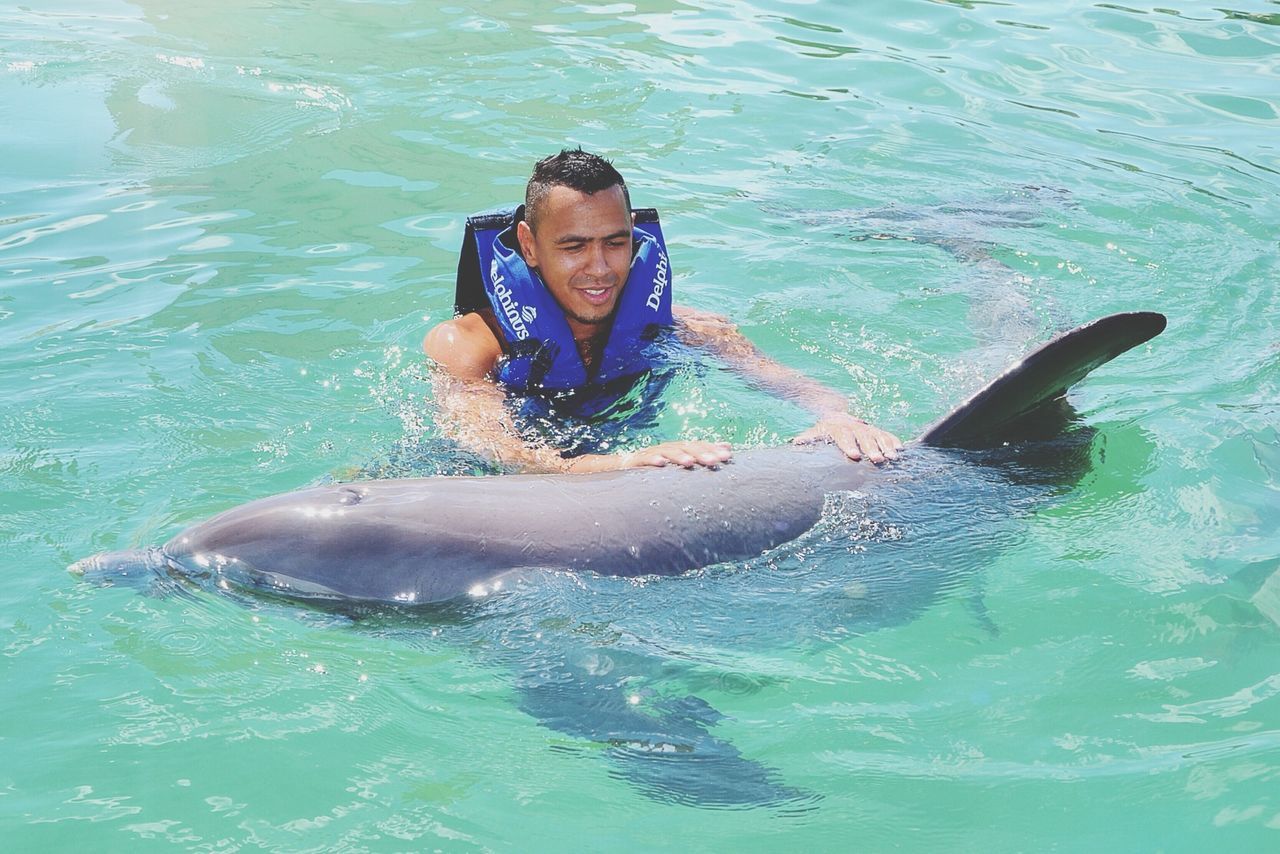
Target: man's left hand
855 437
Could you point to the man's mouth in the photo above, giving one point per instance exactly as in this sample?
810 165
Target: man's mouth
596 296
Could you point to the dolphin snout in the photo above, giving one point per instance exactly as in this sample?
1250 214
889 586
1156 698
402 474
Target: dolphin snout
109 566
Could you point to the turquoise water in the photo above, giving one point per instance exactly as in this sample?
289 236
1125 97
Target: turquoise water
225 227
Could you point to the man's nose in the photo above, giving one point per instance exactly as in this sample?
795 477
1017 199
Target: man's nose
597 262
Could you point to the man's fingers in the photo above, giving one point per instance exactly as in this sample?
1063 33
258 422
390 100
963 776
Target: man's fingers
865 444
709 454
714 453
686 454
847 441
847 438
878 445
808 437
855 438
869 441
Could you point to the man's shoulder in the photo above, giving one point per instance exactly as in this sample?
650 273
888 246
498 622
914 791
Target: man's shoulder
465 346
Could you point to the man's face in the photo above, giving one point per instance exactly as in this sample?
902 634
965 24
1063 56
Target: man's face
582 250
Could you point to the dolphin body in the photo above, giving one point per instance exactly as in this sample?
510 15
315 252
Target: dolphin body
425 540
429 540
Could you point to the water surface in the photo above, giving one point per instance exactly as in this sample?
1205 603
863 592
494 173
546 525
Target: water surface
224 229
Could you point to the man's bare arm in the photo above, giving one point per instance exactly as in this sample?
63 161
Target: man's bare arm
719 336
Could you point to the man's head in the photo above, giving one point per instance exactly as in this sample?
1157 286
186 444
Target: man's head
576 233
573 168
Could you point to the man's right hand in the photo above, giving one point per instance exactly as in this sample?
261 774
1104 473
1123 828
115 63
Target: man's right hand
686 454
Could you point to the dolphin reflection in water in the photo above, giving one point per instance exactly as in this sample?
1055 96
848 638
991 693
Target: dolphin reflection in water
394 552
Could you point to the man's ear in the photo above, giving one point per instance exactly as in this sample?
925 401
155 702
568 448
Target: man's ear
524 234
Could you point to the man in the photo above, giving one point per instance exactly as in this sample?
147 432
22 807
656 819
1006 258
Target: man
575 288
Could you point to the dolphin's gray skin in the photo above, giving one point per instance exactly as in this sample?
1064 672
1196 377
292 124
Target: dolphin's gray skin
432 540
424 540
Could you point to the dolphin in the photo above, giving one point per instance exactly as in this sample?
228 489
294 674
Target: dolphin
352 548
417 541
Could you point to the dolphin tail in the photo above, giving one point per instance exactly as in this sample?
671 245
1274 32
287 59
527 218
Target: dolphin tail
977 603
673 758
662 745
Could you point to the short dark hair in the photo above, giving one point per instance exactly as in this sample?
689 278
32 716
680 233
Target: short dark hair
573 168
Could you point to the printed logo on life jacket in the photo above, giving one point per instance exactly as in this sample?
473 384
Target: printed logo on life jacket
516 316
659 283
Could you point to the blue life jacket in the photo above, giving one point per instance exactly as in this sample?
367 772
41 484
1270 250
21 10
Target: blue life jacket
540 356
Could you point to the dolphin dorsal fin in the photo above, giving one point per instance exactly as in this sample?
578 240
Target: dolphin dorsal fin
1041 376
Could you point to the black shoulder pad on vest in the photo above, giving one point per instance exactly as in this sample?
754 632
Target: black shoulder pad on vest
468 294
